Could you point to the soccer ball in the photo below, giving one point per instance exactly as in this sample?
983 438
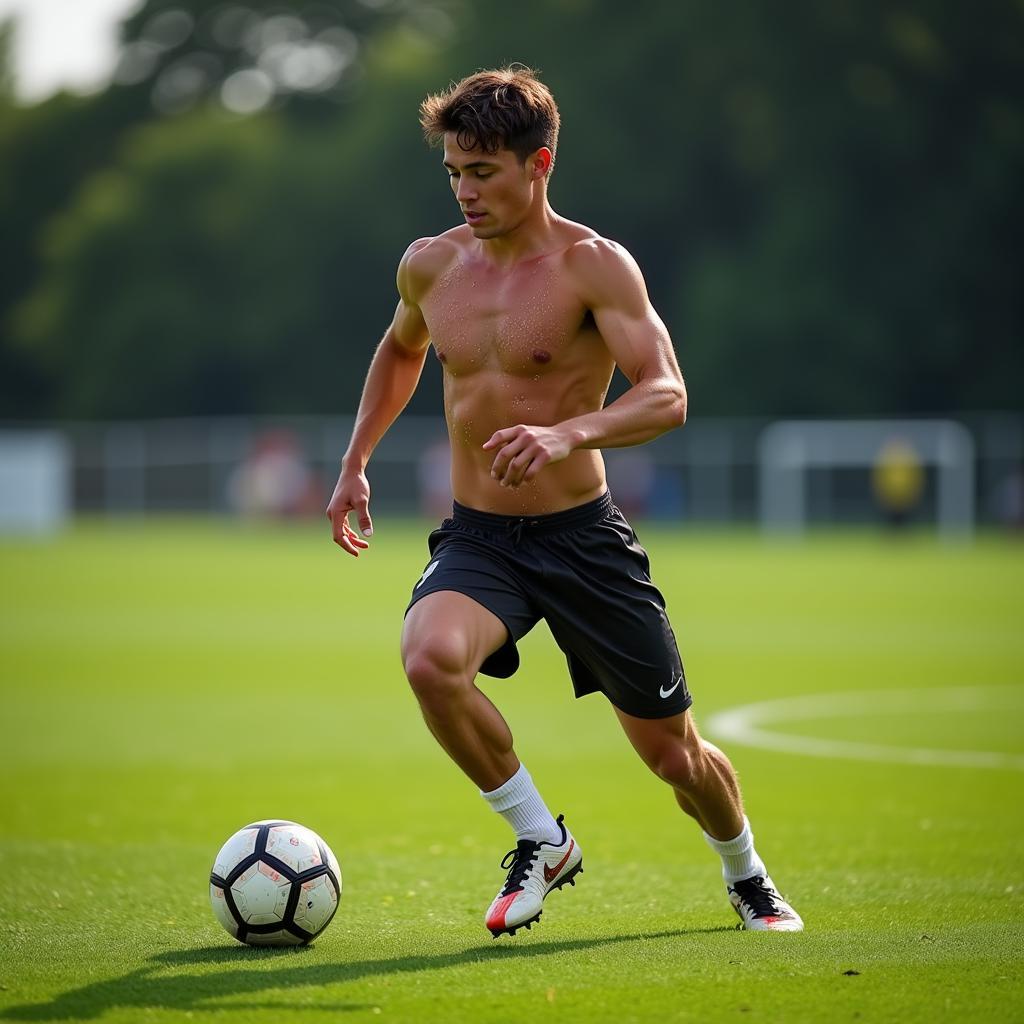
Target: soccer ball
275 883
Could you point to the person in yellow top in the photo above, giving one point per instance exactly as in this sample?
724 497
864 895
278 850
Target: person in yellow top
897 479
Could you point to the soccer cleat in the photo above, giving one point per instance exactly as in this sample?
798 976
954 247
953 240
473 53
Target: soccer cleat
534 869
760 906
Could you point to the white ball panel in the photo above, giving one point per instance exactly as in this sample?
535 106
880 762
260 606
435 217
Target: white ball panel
221 910
295 845
332 863
261 894
317 900
235 850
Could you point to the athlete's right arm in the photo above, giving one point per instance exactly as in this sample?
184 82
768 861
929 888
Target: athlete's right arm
392 378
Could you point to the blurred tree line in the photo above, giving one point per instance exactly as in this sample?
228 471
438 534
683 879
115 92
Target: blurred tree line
825 197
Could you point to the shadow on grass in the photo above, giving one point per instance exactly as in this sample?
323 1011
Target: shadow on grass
147 988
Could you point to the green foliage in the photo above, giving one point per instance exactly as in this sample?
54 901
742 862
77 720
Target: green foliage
307 57
49 151
156 307
824 199
6 70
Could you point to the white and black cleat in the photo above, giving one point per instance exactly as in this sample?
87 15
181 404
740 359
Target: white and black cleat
760 906
534 870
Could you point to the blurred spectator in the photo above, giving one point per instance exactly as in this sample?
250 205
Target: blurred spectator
897 478
1007 500
434 475
275 480
630 480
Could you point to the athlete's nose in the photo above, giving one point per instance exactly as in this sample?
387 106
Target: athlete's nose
465 192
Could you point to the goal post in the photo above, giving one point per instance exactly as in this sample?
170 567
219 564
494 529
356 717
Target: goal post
35 481
789 449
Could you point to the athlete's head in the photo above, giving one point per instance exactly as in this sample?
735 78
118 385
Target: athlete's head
499 130
509 108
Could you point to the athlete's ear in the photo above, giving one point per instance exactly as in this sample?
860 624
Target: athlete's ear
540 162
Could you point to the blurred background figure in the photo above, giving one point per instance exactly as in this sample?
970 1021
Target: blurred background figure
275 480
631 474
897 479
433 474
1007 500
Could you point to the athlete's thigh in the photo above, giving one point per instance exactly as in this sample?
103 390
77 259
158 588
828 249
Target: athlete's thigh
454 627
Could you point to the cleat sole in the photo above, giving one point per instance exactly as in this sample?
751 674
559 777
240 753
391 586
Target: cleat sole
498 932
568 878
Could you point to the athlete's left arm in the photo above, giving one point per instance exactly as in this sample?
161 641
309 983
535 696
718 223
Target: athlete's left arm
613 289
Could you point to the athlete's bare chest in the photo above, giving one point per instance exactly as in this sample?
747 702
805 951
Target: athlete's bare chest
518 320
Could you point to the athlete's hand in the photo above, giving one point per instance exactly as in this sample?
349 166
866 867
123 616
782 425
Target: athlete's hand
522 452
351 494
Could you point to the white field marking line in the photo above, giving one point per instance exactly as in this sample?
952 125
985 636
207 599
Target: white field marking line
745 724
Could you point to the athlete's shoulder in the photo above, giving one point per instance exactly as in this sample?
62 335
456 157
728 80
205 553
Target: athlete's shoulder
429 254
595 252
601 266
423 261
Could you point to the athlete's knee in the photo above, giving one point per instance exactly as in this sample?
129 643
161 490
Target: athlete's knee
680 764
437 668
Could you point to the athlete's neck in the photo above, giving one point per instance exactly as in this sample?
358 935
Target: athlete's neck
533 236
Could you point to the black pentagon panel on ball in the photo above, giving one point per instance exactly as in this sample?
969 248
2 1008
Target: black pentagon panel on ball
337 902
266 929
300 933
280 867
325 854
240 868
229 899
293 900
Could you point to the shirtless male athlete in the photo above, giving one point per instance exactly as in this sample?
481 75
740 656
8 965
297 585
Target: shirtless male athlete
529 313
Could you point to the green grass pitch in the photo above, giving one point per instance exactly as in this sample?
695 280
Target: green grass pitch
165 683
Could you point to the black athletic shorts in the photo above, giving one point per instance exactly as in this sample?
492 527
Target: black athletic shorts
585 573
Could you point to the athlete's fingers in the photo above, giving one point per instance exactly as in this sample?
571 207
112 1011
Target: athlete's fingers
352 537
350 542
362 511
337 516
503 463
500 464
518 467
344 536
538 463
500 437
520 440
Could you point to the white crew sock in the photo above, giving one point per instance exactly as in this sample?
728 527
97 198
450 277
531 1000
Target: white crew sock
739 858
519 803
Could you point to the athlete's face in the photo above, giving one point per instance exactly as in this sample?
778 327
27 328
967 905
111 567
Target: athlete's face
494 190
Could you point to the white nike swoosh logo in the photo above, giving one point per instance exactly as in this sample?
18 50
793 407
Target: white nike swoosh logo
672 688
426 572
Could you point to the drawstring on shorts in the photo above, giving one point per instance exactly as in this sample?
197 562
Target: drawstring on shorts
515 530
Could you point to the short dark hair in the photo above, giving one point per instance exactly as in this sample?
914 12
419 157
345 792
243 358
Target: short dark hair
503 108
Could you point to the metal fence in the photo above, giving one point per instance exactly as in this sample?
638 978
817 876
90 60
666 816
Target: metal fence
711 471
